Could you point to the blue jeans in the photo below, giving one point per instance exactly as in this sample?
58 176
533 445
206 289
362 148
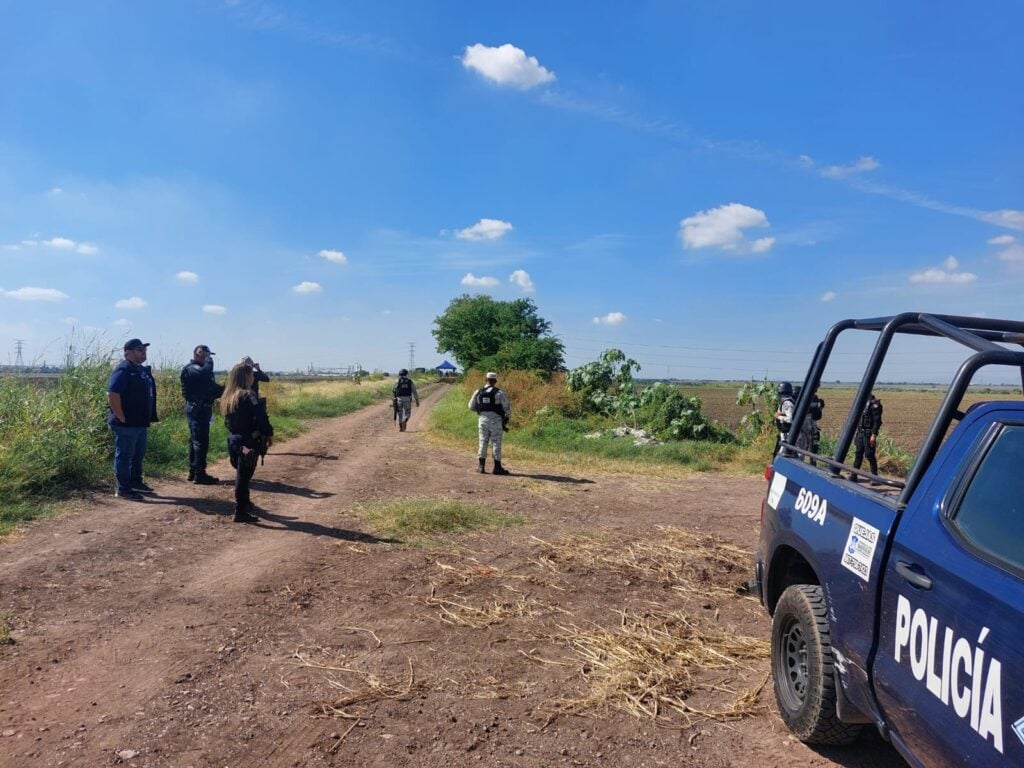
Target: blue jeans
198 417
129 451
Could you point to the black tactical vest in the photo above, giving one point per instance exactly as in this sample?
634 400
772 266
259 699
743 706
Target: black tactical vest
487 401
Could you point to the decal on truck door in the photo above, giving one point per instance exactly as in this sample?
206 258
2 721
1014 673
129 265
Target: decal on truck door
860 548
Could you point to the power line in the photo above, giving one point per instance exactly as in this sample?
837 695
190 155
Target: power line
412 355
19 344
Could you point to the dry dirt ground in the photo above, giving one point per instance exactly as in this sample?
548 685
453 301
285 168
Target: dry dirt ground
600 632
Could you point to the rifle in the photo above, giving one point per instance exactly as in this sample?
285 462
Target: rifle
395 408
504 423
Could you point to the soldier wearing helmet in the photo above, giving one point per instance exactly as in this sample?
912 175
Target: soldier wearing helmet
784 413
402 395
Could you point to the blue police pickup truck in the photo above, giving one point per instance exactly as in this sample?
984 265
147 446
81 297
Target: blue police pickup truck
900 602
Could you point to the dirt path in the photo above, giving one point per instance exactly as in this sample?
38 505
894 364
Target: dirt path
163 634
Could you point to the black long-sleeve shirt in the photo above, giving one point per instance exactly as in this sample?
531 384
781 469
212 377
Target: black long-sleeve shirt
249 420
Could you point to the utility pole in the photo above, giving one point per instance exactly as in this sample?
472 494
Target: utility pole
412 355
19 345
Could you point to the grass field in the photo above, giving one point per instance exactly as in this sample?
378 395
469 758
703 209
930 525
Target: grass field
907 412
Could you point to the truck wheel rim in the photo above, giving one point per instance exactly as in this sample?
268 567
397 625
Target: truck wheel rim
794 665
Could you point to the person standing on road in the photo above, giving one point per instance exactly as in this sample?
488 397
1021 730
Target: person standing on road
493 412
257 374
867 435
403 393
131 395
199 390
248 425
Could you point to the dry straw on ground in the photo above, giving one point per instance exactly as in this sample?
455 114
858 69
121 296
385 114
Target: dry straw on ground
682 558
655 665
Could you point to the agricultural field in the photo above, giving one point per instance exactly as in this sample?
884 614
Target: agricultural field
908 412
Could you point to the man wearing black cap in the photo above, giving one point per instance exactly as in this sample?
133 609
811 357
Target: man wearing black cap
199 390
131 395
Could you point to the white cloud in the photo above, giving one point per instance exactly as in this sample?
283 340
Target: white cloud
29 293
56 191
723 227
214 309
64 244
133 303
863 164
522 279
1002 240
945 274
828 296
479 282
187 277
335 257
1013 254
1007 217
307 287
612 318
806 161
506 65
485 229
123 322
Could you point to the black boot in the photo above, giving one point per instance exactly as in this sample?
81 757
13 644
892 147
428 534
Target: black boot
481 468
498 469
242 515
191 475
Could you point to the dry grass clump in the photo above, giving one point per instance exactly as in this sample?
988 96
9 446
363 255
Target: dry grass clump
358 686
654 665
678 557
529 392
460 613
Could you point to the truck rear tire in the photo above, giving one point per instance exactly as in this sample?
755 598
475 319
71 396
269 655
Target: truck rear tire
802 668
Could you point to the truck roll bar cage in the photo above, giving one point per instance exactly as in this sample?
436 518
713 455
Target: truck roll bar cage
981 334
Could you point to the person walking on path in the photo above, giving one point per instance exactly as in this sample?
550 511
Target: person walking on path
257 374
403 393
131 395
493 412
199 390
248 426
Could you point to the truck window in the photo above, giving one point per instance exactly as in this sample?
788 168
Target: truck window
991 511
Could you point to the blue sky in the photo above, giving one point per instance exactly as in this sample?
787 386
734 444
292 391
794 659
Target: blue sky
706 186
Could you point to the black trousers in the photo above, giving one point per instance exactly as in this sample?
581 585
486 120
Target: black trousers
864 448
198 417
243 459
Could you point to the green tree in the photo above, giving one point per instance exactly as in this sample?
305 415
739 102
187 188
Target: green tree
483 333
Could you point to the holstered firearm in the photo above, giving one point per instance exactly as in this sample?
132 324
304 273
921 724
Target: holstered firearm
504 423
261 444
395 407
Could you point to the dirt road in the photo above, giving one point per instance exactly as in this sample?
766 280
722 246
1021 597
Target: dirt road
163 634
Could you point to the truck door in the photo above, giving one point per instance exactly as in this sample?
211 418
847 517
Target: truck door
949 666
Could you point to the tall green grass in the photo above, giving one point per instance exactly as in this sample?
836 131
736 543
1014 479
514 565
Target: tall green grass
54 439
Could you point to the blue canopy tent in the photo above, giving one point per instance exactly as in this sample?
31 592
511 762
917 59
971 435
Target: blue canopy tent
446 369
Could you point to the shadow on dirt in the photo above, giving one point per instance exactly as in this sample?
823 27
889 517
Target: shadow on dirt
273 486
870 750
321 456
554 478
286 522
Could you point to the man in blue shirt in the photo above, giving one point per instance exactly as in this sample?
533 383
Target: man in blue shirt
131 395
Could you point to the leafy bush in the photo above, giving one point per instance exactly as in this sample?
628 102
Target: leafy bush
763 401
606 385
670 415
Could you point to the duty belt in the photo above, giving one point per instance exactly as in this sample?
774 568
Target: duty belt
204 404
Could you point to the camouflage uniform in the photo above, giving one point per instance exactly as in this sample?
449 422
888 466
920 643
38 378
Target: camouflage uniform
493 410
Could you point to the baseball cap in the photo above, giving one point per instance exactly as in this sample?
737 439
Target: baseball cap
205 348
491 375
247 361
135 344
